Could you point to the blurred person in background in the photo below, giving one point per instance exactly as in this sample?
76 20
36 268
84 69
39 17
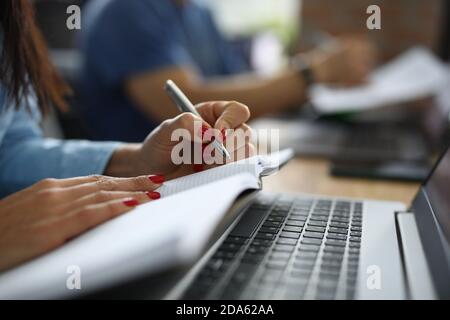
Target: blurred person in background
132 47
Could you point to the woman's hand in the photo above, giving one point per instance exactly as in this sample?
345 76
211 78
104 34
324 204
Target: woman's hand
155 154
49 213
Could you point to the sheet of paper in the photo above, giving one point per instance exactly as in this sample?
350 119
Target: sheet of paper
415 74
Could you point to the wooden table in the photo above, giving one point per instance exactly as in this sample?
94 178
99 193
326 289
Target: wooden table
310 175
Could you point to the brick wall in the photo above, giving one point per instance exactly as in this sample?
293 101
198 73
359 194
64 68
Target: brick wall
404 22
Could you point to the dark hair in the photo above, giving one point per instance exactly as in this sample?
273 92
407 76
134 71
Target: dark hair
25 67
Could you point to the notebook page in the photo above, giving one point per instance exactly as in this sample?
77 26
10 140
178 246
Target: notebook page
171 187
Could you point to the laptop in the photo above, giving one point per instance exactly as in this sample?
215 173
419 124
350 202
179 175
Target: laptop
315 247
349 141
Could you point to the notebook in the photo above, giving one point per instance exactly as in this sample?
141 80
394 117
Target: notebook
153 237
258 166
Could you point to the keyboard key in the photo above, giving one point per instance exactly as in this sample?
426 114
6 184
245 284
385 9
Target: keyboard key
283 248
355 234
256 250
230 247
271 276
340 219
315 235
279 212
331 264
261 243
312 241
323 219
342 214
303 264
237 240
292 235
338 230
334 249
336 236
276 265
293 229
301 255
355 239
320 214
329 274
253 258
243 273
299 211
272 230
332 256
336 243
317 223
298 218
269 224
354 245
275 219
300 274
265 236
295 223
353 228
287 241
309 247
315 229
280 255
224 255
339 224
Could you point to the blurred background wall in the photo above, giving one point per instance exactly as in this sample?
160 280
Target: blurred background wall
404 22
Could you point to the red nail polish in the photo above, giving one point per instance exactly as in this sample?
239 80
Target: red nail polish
131 203
204 128
153 195
198 167
158 179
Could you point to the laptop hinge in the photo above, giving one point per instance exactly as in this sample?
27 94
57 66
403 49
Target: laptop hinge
417 273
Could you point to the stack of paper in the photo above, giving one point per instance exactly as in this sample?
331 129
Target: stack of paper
415 74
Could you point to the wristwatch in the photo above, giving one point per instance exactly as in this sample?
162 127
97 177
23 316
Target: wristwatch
304 70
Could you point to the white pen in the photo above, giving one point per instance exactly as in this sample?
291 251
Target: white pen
185 105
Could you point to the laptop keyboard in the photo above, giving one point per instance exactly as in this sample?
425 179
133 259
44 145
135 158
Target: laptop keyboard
286 247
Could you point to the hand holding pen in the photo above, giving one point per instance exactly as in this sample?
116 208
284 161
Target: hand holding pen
185 105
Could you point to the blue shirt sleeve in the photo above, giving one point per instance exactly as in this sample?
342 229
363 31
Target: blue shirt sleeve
26 157
133 36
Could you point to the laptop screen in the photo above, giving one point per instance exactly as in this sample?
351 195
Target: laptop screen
437 191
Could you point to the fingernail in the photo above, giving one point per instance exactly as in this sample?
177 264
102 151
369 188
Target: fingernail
158 179
198 167
131 203
153 195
